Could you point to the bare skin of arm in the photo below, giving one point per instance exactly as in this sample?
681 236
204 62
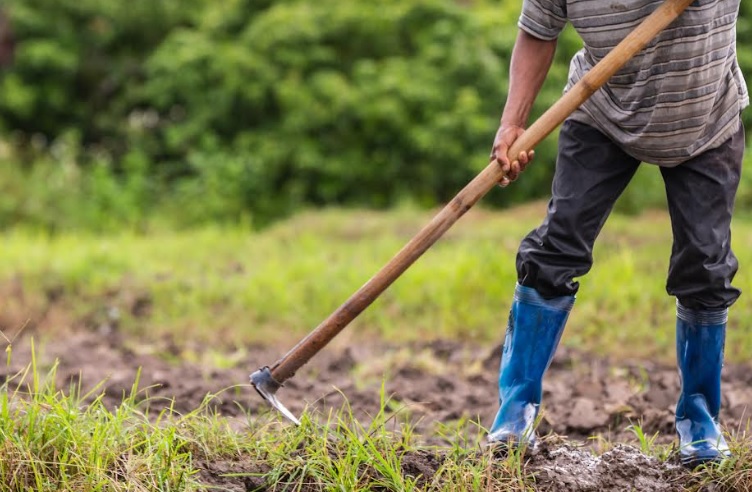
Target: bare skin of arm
531 60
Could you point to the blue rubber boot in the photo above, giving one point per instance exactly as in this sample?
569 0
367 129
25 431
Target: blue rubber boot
700 338
533 333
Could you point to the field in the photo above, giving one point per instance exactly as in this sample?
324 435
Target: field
127 361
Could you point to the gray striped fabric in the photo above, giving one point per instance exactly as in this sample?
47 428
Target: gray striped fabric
680 96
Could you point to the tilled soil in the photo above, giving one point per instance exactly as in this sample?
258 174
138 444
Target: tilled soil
440 381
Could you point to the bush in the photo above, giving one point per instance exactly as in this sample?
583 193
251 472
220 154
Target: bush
250 109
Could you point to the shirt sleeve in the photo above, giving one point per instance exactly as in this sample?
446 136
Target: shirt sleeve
543 19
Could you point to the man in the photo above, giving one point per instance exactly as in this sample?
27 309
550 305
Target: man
677 104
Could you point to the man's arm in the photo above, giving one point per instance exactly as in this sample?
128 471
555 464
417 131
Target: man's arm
531 60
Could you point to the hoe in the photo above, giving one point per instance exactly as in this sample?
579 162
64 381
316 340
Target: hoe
267 380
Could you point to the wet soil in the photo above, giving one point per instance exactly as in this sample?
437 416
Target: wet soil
436 382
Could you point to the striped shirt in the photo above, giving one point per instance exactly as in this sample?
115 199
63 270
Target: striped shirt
678 97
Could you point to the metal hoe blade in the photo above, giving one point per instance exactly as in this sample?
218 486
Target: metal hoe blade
267 387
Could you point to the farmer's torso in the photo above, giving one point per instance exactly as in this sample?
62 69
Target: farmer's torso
678 97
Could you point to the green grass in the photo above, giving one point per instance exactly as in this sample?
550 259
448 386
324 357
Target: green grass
52 441
240 286
230 287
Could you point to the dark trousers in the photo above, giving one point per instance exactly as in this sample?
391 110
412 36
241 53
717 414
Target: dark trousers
591 173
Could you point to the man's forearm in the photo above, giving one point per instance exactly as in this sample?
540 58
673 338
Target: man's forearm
531 60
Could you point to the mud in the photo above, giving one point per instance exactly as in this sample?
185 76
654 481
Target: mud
436 382
569 468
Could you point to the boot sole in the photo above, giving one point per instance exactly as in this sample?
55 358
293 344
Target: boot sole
696 460
502 449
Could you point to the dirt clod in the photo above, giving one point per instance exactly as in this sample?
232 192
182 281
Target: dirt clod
575 469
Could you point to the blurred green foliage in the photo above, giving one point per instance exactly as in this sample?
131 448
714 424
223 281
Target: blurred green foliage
250 109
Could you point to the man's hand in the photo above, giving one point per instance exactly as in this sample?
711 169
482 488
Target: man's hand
531 59
505 137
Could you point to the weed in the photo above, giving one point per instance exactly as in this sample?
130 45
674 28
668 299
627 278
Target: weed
649 443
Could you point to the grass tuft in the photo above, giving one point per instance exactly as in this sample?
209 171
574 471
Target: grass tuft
734 473
52 440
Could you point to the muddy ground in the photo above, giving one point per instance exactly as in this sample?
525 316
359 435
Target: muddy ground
440 381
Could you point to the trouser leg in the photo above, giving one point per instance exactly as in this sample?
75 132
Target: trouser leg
701 195
591 173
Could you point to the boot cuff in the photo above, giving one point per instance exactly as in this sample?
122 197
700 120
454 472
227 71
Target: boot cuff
709 317
528 295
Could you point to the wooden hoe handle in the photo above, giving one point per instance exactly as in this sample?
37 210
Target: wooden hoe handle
286 367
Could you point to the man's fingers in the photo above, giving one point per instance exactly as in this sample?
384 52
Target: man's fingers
508 170
514 171
511 169
500 155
